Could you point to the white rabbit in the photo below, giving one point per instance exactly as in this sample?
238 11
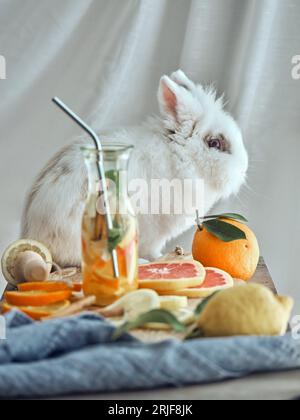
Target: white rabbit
193 138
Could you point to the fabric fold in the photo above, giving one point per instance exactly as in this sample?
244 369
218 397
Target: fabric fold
78 355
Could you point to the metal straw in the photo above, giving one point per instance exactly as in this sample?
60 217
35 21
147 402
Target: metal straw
101 173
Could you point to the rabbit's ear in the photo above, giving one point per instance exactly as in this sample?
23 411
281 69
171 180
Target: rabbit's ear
168 97
176 103
182 80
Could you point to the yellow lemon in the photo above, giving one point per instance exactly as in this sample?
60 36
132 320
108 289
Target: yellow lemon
249 309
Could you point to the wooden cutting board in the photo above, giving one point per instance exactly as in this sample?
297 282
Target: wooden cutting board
262 276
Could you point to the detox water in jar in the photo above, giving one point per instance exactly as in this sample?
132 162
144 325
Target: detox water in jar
97 241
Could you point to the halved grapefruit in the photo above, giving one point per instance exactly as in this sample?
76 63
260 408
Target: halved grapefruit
171 275
215 280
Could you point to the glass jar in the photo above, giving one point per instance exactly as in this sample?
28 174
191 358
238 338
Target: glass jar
97 241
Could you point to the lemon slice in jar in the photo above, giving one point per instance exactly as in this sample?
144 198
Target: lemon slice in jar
130 233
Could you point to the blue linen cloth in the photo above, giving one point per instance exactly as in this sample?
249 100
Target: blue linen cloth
78 355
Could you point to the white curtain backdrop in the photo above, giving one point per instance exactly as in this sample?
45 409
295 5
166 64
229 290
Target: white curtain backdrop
105 58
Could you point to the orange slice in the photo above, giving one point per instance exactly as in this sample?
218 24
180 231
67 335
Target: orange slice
171 276
77 287
50 286
37 298
215 280
37 313
70 275
44 286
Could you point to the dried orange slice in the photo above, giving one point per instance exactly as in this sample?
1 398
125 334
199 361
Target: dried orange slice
39 312
37 297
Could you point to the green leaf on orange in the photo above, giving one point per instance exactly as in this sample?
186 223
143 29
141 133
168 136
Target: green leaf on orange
226 232
230 216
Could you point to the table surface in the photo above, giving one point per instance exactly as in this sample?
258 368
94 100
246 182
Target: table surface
268 386
263 276
273 386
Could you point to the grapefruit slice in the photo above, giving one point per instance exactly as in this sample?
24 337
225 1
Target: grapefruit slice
215 280
171 275
37 313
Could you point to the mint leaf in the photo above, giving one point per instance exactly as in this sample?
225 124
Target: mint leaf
113 176
196 332
224 231
114 238
203 304
159 316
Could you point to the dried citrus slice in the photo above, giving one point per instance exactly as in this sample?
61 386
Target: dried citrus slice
171 276
38 312
215 280
37 298
8 261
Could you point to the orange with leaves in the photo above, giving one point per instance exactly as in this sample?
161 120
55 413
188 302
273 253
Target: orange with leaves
239 257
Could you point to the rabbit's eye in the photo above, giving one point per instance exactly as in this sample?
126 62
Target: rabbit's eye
218 143
214 144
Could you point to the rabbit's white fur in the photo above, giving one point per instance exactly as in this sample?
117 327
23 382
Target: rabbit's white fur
172 146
